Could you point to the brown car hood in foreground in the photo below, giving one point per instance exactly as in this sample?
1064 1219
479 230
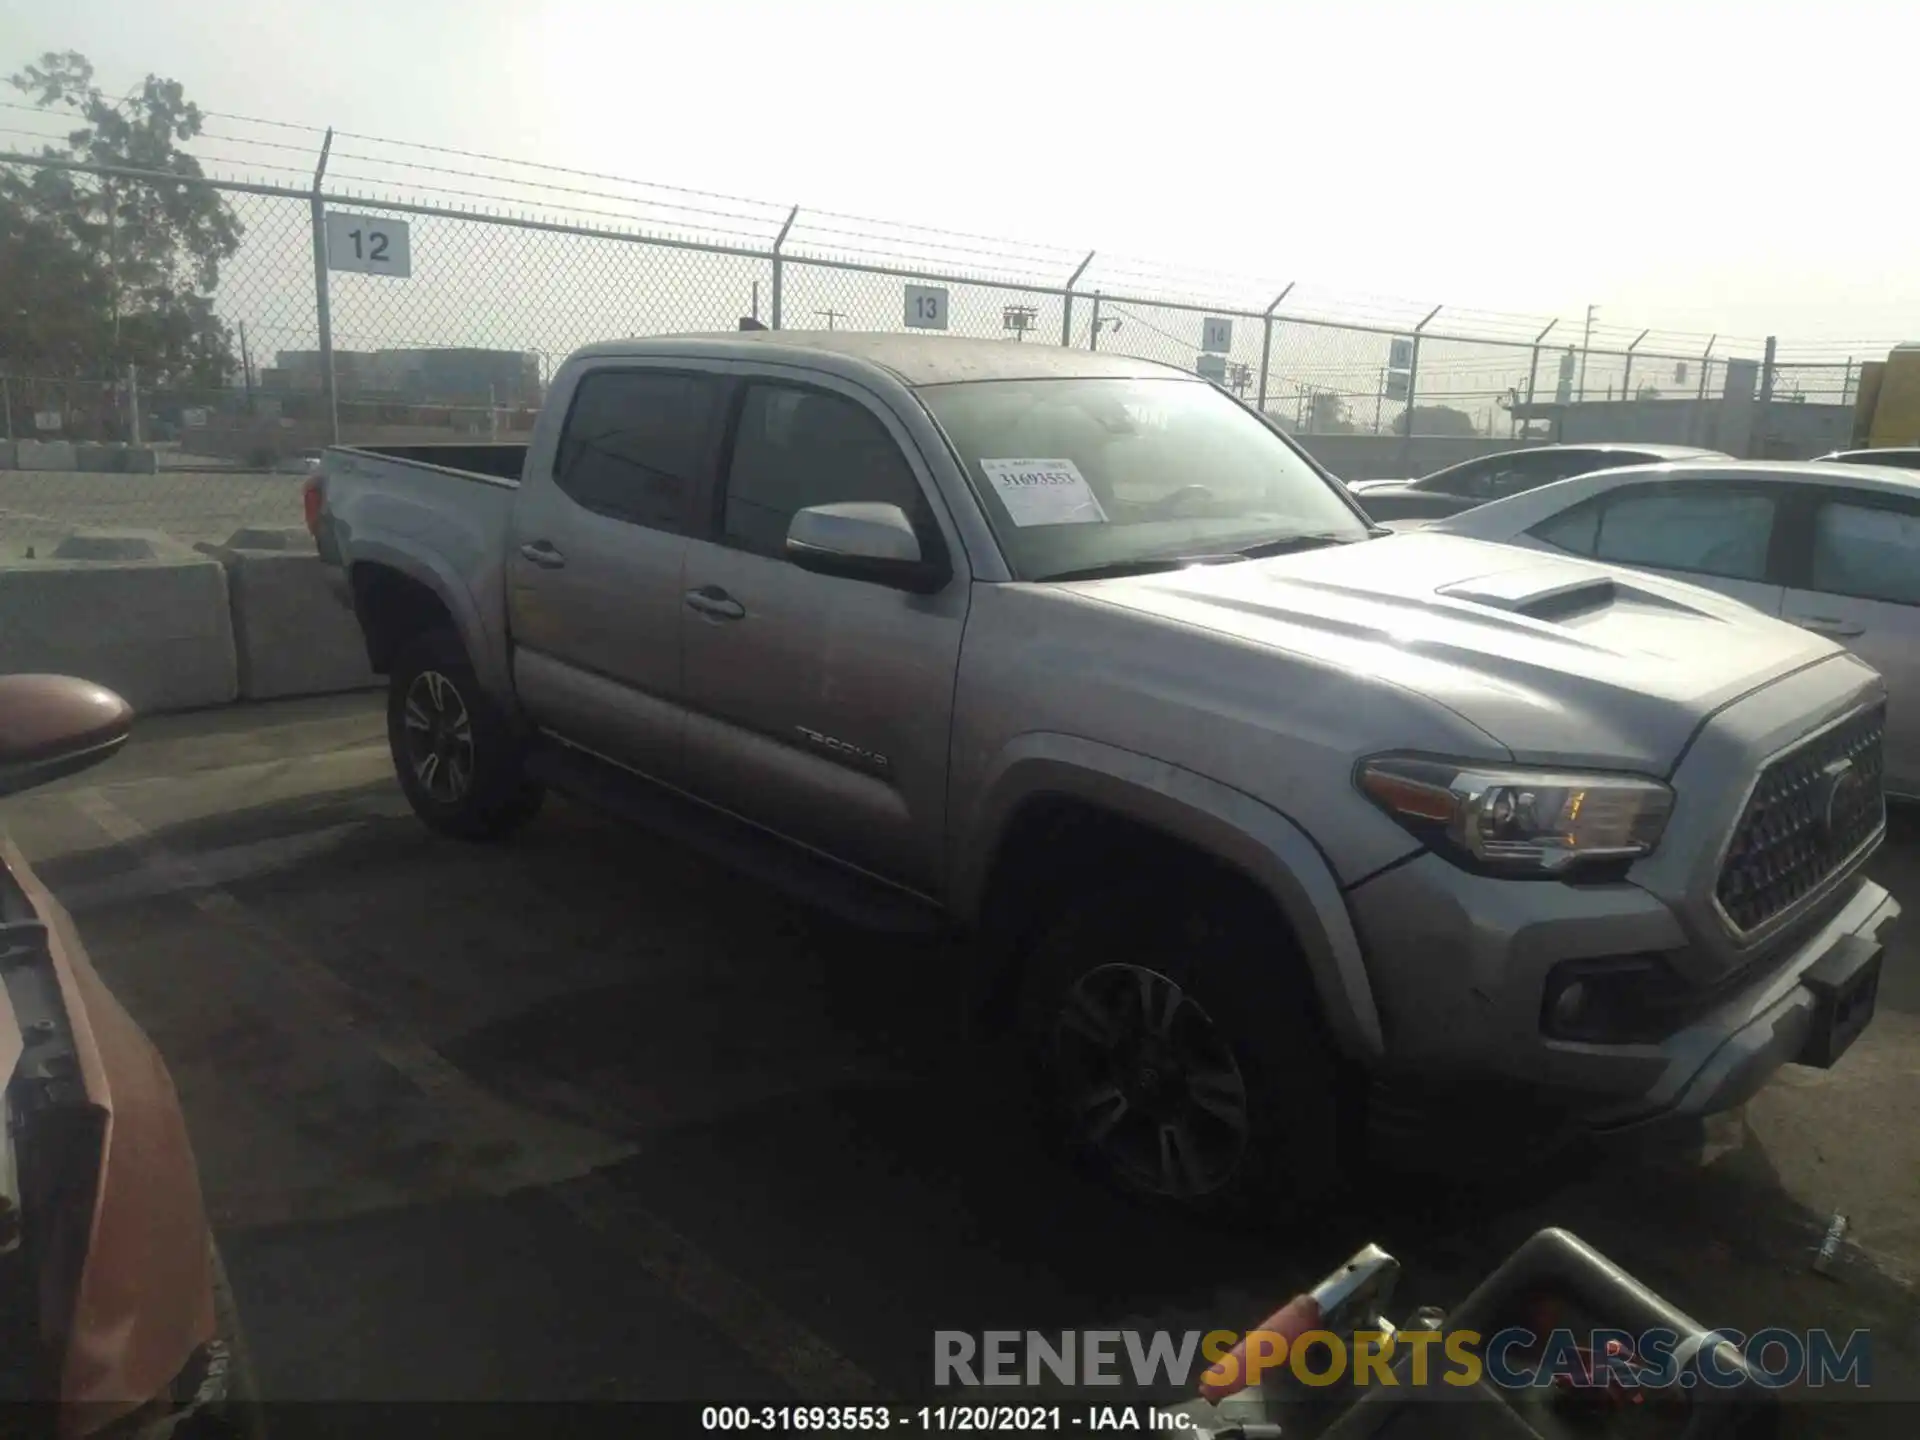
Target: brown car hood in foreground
145 1302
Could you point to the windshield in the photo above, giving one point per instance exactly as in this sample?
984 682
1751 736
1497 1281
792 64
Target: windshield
1084 473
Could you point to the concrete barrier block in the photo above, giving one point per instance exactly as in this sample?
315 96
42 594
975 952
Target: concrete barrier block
292 636
140 460
295 538
9 454
44 455
158 631
121 545
95 459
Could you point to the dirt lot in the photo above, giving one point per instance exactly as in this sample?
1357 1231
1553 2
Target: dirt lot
40 508
584 1118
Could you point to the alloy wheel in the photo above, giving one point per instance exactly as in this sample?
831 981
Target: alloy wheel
1148 1083
439 734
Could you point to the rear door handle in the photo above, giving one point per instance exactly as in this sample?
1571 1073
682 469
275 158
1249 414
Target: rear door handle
1825 625
715 603
542 553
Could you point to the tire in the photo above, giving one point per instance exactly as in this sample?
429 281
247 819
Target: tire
1216 1017
474 786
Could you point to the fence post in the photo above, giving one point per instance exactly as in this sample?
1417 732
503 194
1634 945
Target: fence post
322 298
1626 376
133 403
1266 340
6 405
1700 395
1413 389
779 265
1757 443
1533 372
1066 308
1846 387
1093 332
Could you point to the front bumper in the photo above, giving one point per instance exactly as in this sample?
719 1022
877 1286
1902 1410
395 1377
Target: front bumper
1460 966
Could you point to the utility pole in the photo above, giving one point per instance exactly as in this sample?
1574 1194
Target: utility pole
1379 396
831 316
1586 342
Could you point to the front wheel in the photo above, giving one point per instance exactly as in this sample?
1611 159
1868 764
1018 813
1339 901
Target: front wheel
1178 1052
456 755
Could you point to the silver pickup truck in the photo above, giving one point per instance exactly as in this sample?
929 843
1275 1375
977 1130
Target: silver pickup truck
1258 813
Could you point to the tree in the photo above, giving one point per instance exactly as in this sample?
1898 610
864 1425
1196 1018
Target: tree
1435 420
101 271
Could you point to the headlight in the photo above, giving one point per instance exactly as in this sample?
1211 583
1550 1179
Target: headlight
1521 822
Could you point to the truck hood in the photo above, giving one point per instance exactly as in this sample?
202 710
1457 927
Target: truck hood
1560 661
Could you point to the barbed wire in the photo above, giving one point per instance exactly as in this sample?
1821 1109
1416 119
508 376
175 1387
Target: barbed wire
914 247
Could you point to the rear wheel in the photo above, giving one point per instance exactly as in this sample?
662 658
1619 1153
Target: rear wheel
458 760
1178 1051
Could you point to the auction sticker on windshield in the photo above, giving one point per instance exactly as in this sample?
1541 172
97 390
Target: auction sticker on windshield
1044 492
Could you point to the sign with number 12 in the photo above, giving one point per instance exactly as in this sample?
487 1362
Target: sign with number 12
368 244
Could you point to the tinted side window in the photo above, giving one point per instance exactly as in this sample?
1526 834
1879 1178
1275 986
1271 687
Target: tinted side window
1471 480
1530 472
796 448
1869 551
1707 530
634 442
1576 531
1563 465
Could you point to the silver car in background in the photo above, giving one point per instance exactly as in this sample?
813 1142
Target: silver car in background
1834 548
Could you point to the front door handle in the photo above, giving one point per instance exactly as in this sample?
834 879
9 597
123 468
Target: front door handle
1826 625
715 603
542 553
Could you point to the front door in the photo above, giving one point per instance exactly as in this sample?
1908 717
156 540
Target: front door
1862 587
820 707
595 559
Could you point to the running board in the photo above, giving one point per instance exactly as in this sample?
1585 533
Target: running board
801 874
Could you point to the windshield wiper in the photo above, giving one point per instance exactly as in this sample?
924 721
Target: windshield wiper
1288 544
1140 565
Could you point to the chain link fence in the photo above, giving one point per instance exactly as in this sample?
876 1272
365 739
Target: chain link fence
298 350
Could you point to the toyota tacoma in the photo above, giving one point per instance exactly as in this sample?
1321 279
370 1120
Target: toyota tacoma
1257 812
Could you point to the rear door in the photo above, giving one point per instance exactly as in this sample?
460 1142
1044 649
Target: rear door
820 706
595 558
1858 581
1716 533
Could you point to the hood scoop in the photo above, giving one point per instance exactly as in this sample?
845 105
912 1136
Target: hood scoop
1544 592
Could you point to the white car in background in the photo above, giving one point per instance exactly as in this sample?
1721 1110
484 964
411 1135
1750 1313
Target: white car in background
1834 548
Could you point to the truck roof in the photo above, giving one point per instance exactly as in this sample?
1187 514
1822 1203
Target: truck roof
913 359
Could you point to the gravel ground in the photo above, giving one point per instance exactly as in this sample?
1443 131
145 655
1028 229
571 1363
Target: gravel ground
39 508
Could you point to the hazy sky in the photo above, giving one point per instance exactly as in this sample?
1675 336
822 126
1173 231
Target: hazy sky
1684 165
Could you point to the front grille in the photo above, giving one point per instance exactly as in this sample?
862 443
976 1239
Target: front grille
1810 811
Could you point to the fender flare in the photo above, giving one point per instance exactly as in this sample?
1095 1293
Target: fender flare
1227 824
427 569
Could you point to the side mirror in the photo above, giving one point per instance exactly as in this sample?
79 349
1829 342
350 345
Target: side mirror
860 540
55 725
